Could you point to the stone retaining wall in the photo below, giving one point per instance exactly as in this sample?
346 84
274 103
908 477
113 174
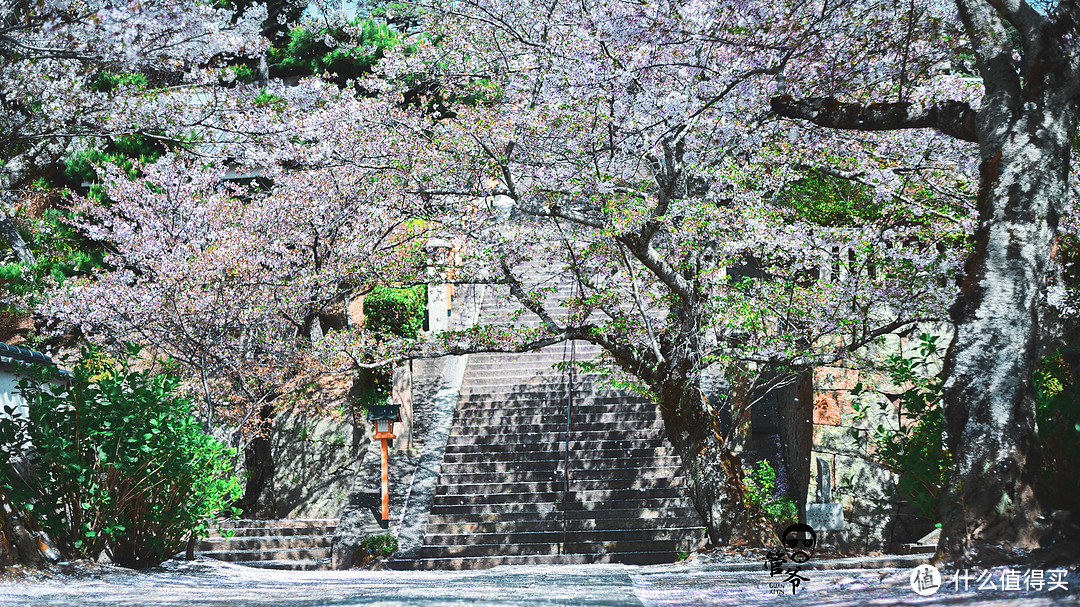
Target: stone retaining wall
874 520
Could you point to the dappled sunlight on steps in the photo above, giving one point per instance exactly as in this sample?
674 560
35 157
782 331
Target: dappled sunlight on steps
500 499
299 544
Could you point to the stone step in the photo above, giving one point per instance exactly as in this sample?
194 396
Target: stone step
587 429
266 542
556 523
551 549
577 486
295 523
279 531
500 497
554 412
468 563
529 436
556 353
595 495
659 514
549 443
550 475
521 402
538 453
577 463
604 513
523 366
515 384
517 396
515 417
266 555
571 537
278 544
510 378
322 564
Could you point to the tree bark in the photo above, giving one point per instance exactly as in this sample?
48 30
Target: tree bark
1024 128
713 473
991 502
258 500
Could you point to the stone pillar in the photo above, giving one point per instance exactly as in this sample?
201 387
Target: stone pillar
401 393
438 294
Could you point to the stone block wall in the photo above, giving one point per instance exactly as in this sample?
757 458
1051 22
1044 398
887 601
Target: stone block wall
875 521
314 463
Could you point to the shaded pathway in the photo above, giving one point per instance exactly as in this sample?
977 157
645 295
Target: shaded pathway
206 583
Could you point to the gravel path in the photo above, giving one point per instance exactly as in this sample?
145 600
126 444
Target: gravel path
210 583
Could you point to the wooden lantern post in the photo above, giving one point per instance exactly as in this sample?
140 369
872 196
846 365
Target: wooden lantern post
383 418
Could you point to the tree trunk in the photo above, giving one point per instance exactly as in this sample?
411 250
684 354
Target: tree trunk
991 503
258 500
713 473
10 233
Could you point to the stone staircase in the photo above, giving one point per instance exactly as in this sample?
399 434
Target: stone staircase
516 488
299 544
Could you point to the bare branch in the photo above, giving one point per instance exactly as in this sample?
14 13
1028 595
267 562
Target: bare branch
954 118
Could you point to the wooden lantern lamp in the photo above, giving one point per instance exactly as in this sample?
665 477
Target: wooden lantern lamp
383 418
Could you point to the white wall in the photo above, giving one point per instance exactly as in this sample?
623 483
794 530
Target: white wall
9 391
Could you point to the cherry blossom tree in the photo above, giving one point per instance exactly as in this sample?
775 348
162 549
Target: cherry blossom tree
1022 119
63 68
636 145
237 282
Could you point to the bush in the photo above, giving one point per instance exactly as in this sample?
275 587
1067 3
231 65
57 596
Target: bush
397 312
1057 413
761 493
118 464
915 451
382 545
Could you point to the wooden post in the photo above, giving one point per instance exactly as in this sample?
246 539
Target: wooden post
385 485
383 417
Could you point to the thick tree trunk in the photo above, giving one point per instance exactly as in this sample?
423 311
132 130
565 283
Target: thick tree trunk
713 477
1025 127
991 503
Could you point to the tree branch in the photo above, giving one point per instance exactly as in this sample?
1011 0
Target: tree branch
1021 15
953 118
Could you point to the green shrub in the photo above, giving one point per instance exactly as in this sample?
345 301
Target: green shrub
1057 412
916 451
382 544
397 312
762 493
118 463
